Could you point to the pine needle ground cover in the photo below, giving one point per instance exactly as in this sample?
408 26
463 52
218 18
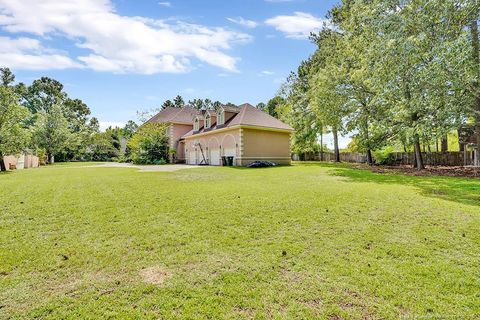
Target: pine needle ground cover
306 241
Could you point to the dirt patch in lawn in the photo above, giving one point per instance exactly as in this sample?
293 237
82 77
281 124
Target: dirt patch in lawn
467 172
156 275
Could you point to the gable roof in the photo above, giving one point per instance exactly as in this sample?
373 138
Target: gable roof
251 116
246 115
183 115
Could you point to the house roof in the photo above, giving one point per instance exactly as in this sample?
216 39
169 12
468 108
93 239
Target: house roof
246 115
183 115
251 116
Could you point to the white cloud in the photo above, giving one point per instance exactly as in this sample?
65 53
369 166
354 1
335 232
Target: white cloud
266 73
27 53
116 43
165 4
243 22
299 25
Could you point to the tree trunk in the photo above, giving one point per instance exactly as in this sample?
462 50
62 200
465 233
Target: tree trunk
444 144
436 145
321 145
369 157
335 145
418 154
476 60
2 164
461 146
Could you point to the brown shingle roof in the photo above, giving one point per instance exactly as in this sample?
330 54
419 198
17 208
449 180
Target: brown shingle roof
247 115
251 116
183 115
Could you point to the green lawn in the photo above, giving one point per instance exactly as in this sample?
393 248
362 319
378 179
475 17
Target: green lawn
307 241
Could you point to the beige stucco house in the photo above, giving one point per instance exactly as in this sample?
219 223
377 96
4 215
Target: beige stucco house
245 133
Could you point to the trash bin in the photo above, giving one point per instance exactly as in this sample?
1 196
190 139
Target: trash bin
224 161
230 161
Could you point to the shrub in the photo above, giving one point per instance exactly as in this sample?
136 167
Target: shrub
102 148
150 144
383 156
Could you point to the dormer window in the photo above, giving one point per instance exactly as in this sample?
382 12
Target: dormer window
208 121
220 116
196 124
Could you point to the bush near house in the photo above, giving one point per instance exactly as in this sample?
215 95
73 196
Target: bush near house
150 144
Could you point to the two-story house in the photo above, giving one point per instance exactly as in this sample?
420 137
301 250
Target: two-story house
245 133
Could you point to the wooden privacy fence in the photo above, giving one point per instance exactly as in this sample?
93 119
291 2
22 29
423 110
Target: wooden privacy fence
434 158
398 158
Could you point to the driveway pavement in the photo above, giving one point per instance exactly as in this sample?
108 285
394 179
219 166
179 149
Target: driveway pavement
149 168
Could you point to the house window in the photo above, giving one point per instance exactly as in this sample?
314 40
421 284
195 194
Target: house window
208 121
196 124
220 117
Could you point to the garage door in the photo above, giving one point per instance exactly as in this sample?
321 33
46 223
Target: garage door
215 157
192 159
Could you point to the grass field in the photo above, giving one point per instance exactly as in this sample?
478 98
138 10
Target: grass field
307 241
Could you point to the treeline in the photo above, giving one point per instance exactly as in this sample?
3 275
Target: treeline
44 120
390 72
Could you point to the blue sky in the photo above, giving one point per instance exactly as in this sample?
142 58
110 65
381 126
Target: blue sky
120 56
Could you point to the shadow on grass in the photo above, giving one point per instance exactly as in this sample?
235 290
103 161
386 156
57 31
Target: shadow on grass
462 190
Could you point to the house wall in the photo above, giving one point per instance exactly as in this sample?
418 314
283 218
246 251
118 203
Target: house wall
265 145
247 145
224 141
176 131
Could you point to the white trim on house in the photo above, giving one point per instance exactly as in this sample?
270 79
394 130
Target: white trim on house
196 124
208 121
220 116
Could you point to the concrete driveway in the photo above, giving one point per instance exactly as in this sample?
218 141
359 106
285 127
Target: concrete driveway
149 168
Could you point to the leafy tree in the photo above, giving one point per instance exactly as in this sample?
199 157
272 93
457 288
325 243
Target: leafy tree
51 131
327 84
217 104
197 104
297 111
14 137
94 125
44 94
6 77
168 104
150 144
102 148
76 112
261 106
273 104
129 130
178 102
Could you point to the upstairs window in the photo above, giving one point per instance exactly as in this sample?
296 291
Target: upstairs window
220 117
208 121
196 124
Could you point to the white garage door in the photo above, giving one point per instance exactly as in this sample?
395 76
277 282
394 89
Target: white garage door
215 157
192 158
